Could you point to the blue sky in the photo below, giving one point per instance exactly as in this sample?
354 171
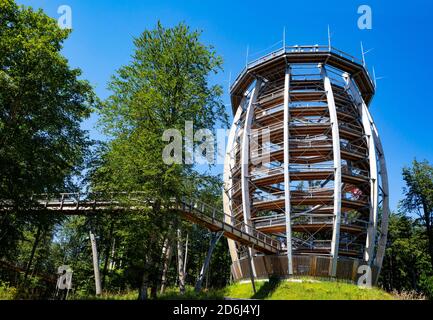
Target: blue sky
401 36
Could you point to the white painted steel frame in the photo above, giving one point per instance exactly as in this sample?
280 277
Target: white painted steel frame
337 170
286 165
367 125
382 238
375 156
245 160
381 243
228 182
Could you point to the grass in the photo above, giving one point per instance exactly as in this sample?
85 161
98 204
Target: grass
305 289
295 289
298 289
127 295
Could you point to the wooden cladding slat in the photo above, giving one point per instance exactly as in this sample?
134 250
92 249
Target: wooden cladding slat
303 265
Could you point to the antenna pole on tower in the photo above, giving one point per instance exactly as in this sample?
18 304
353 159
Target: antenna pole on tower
329 38
362 54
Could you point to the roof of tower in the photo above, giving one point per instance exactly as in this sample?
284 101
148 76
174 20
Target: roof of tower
272 64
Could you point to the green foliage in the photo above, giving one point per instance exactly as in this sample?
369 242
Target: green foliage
190 294
42 103
406 266
408 259
7 292
165 85
419 190
126 295
426 285
419 197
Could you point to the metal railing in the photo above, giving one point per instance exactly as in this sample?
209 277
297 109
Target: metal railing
220 216
307 219
296 50
351 127
354 197
313 122
300 245
347 146
75 199
295 143
313 168
79 201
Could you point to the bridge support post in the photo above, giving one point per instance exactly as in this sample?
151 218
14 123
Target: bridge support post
180 261
98 287
215 237
251 264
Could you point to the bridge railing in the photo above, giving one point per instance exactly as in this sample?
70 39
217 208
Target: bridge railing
222 217
89 197
62 201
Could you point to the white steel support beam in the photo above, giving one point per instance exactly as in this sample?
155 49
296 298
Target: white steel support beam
367 125
381 243
245 160
287 171
228 182
337 171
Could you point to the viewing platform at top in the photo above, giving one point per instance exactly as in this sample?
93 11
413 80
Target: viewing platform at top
271 65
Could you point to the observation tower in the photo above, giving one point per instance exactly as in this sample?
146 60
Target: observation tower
305 167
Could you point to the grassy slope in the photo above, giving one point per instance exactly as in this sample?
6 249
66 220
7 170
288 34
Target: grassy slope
306 290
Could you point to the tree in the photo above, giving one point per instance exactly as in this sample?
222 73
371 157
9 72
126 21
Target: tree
406 266
166 84
419 196
42 103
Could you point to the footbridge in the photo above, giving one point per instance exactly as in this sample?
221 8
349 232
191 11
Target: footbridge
193 210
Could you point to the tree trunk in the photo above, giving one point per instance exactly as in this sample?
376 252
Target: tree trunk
154 291
430 242
107 255
167 251
180 257
429 229
105 270
5 218
146 280
391 272
32 254
185 260
98 289
144 283
112 265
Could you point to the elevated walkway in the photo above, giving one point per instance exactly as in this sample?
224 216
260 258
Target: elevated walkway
190 209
